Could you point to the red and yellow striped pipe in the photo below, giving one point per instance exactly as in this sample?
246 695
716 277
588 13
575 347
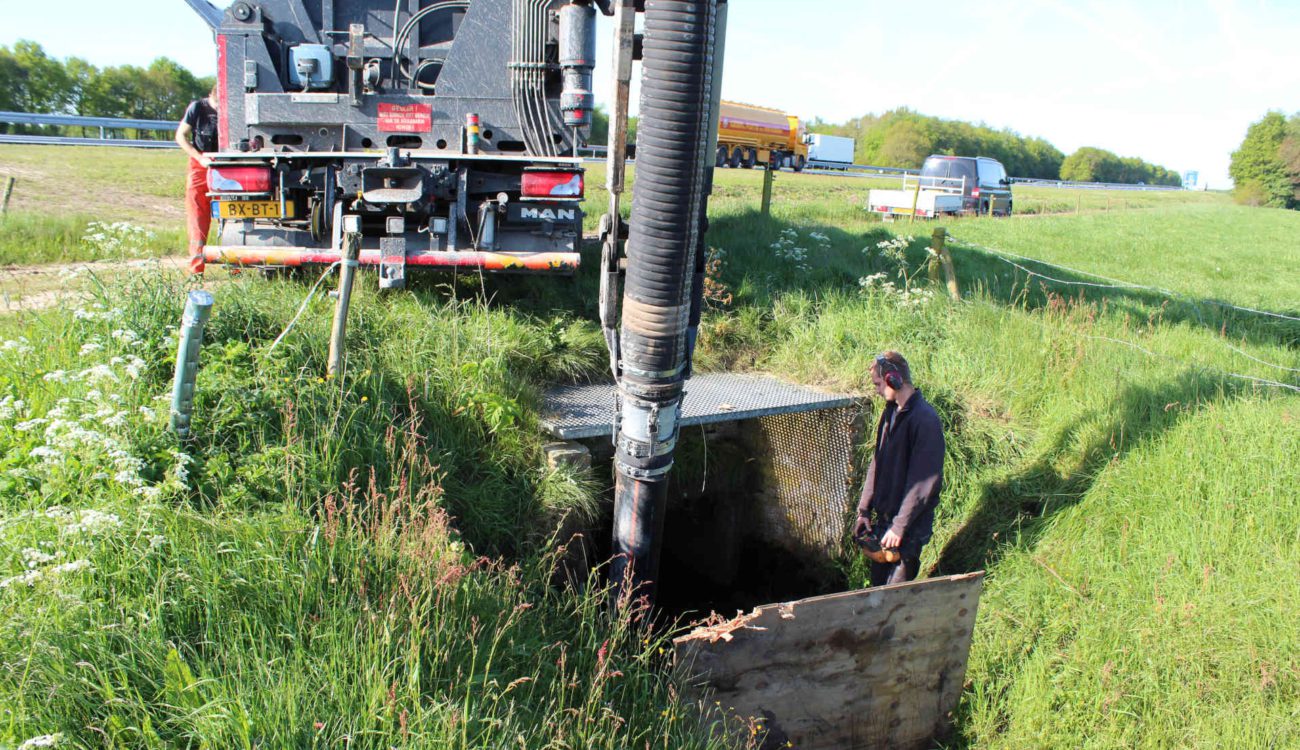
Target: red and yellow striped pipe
244 255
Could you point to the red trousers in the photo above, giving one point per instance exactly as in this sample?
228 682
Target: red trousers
198 213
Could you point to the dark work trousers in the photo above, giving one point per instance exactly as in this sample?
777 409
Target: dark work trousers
883 574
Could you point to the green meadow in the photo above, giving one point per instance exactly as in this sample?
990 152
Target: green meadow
369 561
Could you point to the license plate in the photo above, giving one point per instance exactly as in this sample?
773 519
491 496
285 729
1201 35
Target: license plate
249 210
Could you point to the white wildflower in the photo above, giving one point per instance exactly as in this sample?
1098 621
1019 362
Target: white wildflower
134 365
28 577
70 567
96 374
33 557
128 478
57 376
30 424
125 461
93 522
90 347
156 541
44 740
17 346
11 407
126 335
147 412
46 453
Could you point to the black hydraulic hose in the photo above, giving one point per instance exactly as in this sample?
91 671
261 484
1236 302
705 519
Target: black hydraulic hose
667 207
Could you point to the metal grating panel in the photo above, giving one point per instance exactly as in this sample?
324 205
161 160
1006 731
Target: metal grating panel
806 464
584 411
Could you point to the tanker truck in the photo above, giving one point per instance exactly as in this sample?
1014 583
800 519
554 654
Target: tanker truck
444 132
749 135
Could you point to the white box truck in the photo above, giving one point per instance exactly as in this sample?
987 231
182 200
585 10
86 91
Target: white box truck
830 151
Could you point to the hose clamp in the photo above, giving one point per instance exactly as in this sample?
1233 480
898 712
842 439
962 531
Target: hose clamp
651 374
642 474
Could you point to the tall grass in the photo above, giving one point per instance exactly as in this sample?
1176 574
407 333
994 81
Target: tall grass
366 559
1113 462
323 564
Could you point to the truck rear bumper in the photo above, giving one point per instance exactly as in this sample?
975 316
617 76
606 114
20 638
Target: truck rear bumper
546 262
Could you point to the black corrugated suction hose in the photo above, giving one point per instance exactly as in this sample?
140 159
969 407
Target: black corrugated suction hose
662 268
666 201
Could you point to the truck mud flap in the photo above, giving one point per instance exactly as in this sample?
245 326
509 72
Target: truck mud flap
873 668
546 262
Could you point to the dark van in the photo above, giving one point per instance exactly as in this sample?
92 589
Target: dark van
986 187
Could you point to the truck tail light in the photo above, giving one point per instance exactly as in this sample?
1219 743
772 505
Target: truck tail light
975 192
239 180
552 184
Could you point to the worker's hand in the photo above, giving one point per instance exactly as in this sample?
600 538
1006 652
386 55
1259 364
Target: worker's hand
860 526
204 161
890 540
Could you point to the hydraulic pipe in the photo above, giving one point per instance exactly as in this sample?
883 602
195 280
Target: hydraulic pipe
577 60
663 238
198 307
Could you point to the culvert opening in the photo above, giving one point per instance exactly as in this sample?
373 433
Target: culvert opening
759 497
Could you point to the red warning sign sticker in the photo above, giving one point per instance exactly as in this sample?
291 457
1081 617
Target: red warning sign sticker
405 118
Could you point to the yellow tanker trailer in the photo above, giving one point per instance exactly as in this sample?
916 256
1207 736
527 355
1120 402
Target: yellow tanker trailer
749 135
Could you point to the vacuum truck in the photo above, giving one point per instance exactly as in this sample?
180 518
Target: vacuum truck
446 131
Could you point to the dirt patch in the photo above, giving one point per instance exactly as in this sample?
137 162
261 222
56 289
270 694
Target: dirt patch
39 287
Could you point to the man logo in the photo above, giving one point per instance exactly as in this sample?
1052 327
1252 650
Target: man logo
549 214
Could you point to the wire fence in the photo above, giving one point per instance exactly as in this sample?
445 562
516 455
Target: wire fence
1111 283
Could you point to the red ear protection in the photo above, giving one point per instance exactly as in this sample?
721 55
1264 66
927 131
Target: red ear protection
889 372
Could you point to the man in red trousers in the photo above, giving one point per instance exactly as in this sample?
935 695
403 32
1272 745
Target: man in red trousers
197 136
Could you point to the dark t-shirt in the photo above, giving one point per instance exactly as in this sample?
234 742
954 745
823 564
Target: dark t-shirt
202 117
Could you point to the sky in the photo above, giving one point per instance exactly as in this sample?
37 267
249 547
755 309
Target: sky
1174 82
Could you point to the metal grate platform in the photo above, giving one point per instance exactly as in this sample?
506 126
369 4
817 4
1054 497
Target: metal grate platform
584 411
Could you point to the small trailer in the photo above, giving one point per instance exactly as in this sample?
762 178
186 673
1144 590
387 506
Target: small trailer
924 197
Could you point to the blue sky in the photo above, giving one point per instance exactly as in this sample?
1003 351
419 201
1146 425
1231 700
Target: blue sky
1175 82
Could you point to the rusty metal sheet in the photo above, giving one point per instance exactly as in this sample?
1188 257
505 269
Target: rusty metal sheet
874 668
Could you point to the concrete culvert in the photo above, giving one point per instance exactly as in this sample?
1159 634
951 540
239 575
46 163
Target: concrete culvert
758 507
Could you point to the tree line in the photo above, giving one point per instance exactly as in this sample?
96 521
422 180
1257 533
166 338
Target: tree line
903 138
1265 169
32 81
1090 164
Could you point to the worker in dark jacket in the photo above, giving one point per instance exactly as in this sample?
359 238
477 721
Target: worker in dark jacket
903 482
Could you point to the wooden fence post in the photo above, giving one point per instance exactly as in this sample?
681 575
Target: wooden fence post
9 190
769 174
938 242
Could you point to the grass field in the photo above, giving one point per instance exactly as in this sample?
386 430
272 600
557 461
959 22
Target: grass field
366 558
